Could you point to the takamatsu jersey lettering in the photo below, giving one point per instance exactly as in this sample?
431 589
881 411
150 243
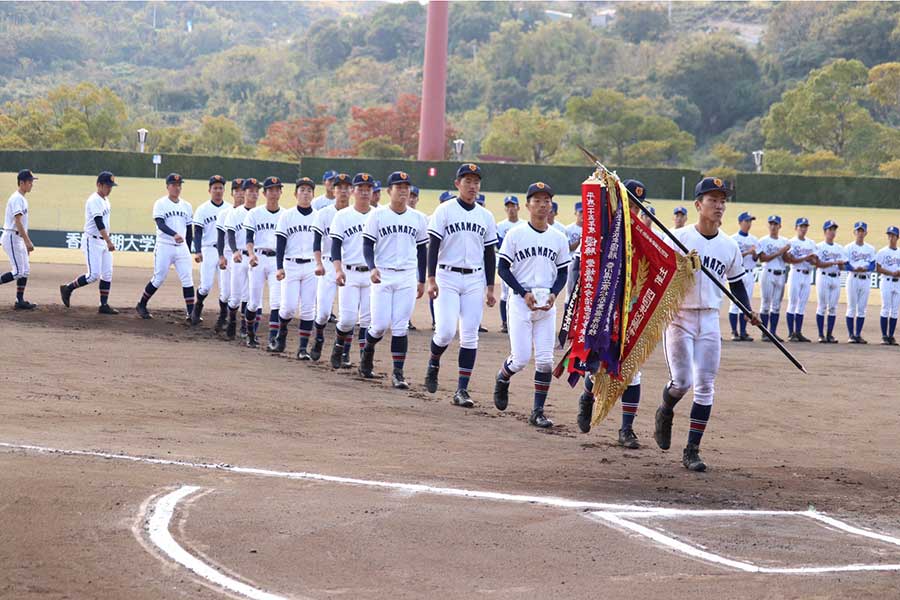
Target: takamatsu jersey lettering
322 224
206 217
396 236
745 241
802 249
770 245
860 256
16 205
535 256
262 222
96 206
348 225
464 231
298 230
720 255
830 253
235 223
176 215
888 259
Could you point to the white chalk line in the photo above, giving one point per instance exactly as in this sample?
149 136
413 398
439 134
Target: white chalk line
614 514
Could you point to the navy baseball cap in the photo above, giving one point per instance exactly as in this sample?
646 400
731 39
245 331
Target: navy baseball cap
363 179
480 199
236 183
445 196
680 210
860 225
25 175
893 230
397 177
801 221
250 182
107 178
216 179
342 178
510 200
272 182
304 181
329 175
413 190
377 187
540 186
468 169
650 209
173 178
636 188
711 184
774 219
745 216
829 224
578 207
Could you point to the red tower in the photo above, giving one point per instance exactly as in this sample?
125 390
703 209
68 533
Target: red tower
434 83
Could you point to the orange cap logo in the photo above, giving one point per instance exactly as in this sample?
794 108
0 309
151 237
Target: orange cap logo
718 182
403 176
365 177
473 167
638 191
540 185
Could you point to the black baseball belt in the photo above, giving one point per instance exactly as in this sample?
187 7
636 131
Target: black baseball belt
461 270
357 268
265 252
299 261
861 275
773 272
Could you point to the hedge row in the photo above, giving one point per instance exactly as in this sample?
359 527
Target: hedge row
870 192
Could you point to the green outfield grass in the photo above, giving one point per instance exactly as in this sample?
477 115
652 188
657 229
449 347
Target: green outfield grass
57 202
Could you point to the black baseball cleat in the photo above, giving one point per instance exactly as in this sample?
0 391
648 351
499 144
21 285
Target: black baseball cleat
628 439
279 343
106 309
345 360
538 419
65 292
24 305
802 338
892 341
823 339
302 354
367 363
831 339
793 338
431 378
219 325
735 336
332 318
861 340
231 330
585 411
482 329
243 331
461 398
690 458
504 328
885 340
252 342
411 327
501 393
316 352
398 380
746 338
195 314
143 312
663 431
336 353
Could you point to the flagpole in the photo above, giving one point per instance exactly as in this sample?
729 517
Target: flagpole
716 281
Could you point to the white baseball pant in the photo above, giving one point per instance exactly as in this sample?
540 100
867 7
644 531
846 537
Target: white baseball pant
167 255
326 289
261 275
460 300
354 300
693 345
224 278
749 281
392 302
98 258
828 293
798 290
527 329
208 268
890 297
858 287
298 288
240 282
15 249
772 291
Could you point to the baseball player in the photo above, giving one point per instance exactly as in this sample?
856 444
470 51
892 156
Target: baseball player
770 251
747 244
326 288
553 222
96 245
15 240
573 233
376 193
225 259
461 270
413 197
297 268
326 199
351 273
511 207
240 268
173 241
830 259
205 237
860 262
534 260
259 226
679 217
802 257
692 341
394 246
887 262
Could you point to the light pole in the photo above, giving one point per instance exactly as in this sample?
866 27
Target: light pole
758 159
142 137
458 145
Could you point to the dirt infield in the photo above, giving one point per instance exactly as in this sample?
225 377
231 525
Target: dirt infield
81 526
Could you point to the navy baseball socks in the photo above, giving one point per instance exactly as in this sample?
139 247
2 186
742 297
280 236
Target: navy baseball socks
304 332
188 293
501 386
631 397
197 311
399 347
541 389
888 327
231 327
6 278
222 318
856 332
274 325
434 367
733 320
367 356
141 307
278 342
337 352
319 342
466 365
663 432
252 324
243 320
503 326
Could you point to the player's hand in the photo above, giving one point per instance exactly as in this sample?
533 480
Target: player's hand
551 300
253 259
340 278
420 290
530 301
811 259
198 258
375 276
237 257
320 269
785 250
754 319
178 239
490 300
279 274
29 246
432 289
223 263
110 246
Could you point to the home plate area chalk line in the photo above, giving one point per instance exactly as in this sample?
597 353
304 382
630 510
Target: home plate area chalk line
622 517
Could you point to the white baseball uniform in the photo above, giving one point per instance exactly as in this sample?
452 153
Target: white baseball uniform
503 228
299 283
353 297
464 231
240 284
97 256
320 202
859 284
889 260
177 216
207 217
262 222
693 341
828 279
774 274
745 242
326 287
535 258
13 244
801 275
224 274
573 233
397 237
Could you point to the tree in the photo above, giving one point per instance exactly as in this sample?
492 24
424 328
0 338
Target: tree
176 140
639 21
398 122
823 162
527 136
728 156
379 147
891 169
884 84
90 115
219 135
327 45
299 137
